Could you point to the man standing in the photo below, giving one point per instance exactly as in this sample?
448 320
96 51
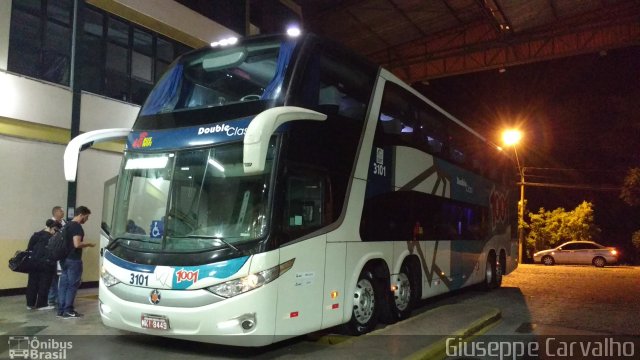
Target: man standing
58 216
72 266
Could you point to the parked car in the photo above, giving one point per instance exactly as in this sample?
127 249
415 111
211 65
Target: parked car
578 252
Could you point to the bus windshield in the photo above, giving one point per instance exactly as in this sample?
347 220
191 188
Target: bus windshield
219 76
190 200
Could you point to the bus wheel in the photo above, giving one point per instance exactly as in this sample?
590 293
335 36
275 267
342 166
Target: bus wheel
404 293
491 272
367 299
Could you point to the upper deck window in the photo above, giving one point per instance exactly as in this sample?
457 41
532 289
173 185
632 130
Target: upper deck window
219 76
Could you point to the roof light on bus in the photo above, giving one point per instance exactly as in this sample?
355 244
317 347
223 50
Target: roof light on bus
294 31
225 42
158 162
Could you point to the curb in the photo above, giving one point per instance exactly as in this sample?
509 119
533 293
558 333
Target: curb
438 350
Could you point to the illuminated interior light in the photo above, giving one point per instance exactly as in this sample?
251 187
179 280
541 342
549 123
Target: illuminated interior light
334 295
394 287
159 162
216 164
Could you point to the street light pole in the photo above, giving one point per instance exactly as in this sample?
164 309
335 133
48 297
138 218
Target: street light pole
520 210
511 138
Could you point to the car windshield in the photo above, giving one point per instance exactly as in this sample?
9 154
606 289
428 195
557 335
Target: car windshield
190 200
222 75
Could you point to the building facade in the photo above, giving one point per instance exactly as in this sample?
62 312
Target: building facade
54 85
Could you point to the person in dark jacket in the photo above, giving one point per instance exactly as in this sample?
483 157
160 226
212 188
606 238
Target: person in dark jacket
40 278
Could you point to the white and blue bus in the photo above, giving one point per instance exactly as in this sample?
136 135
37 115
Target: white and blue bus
281 185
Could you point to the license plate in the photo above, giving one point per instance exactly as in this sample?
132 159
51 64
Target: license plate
155 322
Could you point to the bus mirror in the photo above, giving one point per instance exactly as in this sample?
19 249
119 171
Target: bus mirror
77 144
256 139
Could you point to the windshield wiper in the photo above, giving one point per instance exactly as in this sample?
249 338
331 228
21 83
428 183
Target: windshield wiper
222 240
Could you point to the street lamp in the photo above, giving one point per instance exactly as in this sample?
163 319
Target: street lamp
512 138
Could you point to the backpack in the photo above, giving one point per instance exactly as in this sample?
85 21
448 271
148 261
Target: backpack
59 247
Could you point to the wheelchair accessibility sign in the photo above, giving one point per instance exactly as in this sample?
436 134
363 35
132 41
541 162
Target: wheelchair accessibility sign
157 229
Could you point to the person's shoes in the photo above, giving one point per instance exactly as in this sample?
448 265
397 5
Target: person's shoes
50 307
60 315
72 315
30 308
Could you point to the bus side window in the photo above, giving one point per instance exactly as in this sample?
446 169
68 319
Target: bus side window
304 204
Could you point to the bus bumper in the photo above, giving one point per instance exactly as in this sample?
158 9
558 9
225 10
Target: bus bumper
244 320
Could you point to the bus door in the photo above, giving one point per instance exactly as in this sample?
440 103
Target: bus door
108 203
300 292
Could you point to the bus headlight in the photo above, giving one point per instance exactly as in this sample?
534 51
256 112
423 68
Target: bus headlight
239 286
107 278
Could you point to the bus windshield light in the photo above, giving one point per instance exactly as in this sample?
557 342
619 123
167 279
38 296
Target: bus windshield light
108 279
252 281
159 162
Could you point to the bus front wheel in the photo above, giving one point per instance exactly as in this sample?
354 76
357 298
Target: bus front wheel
367 300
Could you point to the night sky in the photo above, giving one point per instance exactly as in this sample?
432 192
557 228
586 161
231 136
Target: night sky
580 114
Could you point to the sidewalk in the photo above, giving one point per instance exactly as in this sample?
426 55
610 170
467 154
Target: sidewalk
422 336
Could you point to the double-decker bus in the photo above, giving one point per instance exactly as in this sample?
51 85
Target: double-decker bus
277 185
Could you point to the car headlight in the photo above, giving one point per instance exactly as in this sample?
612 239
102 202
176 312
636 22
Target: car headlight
252 281
108 279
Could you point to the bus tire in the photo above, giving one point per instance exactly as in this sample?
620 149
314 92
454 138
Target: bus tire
491 272
368 298
403 298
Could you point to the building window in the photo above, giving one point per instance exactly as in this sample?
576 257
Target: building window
40 39
116 58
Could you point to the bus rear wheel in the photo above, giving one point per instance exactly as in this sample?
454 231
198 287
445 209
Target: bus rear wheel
493 272
367 300
404 293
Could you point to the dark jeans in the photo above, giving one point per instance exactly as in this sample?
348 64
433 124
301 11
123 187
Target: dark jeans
38 288
53 290
68 284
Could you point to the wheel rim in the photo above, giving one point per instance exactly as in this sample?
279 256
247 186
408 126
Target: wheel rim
364 301
402 294
489 272
599 262
547 261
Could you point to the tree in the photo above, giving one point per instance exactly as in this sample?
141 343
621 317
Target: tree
630 193
551 228
635 239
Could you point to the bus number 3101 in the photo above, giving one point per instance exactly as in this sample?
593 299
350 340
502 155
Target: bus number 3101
379 170
139 280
